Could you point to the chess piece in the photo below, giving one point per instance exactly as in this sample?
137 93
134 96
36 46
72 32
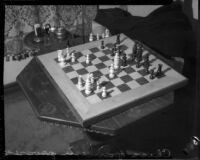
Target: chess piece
116 60
80 83
113 52
137 63
103 35
107 33
97 36
60 56
8 58
97 85
111 71
91 37
102 45
73 57
118 39
87 59
151 74
104 92
134 54
88 85
92 78
124 60
159 70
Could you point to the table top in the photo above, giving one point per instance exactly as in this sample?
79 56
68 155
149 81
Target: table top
91 109
49 104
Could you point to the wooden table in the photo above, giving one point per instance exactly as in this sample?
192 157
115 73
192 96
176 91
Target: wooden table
49 105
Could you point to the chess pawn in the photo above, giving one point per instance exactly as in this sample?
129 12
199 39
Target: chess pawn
88 59
106 33
72 57
97 85
104 93
111 71
116 60
102 45
91 37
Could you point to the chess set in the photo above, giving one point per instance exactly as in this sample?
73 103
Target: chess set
107 76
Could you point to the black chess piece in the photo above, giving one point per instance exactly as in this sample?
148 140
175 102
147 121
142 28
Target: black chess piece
134 53
118 39
102 45
14 58
113 52
159 71
137 63
152 76
124 60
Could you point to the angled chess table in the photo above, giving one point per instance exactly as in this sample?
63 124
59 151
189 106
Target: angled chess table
51 87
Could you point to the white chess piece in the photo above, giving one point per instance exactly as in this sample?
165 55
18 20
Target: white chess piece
80 84
116 60
72 57
98 85
60 56
104 93
103 35
106 33
92 78
88 85
97 36
111 71
91 37
87 59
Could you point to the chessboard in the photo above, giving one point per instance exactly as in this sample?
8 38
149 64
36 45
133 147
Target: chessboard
132 84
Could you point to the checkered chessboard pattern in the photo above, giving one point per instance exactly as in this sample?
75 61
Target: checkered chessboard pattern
126 79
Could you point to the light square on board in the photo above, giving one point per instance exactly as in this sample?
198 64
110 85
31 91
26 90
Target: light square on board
99 54
85 52
81 59
135 75
93 99
117 81
108 62
77 66
96 61
133 84
72 74
104 71
114 91
122 73
91 68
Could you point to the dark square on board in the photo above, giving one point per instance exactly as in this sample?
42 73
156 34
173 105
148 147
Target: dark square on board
95 49
82 71
142 81
123 87
68 69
